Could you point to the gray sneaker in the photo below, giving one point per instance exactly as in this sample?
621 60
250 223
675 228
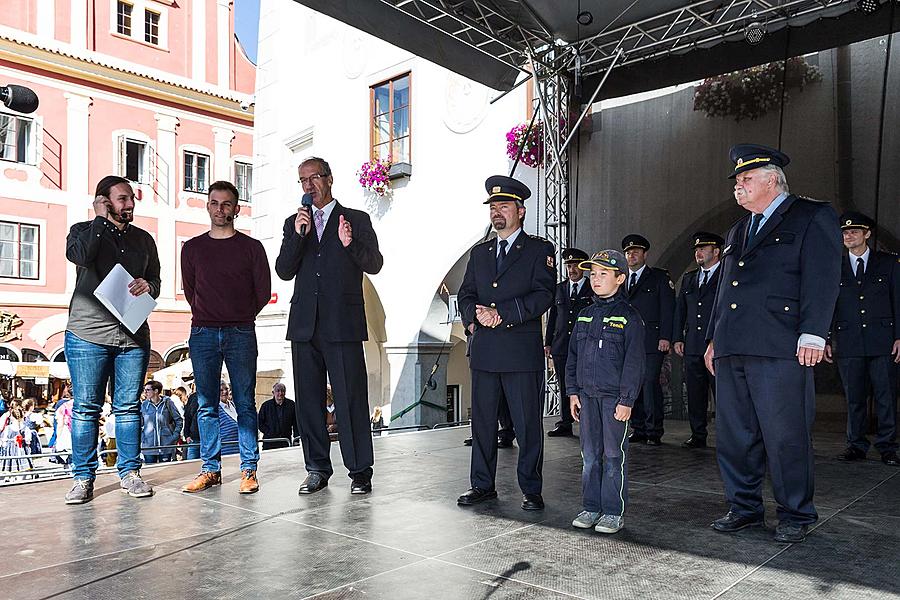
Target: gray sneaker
610 524
586 519
82 491
134 486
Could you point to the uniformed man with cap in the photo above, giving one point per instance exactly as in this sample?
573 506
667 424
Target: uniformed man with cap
572 294
692 309
507 288
865 339
779 280
651 291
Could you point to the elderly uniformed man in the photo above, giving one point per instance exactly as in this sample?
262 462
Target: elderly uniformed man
692 309
507 287
865 338
779 279
572 295
652 293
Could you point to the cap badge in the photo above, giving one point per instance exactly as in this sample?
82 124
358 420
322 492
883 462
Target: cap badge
740 161
848 222
496 189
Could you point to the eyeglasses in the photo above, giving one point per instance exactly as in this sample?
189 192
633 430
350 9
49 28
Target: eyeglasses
311 179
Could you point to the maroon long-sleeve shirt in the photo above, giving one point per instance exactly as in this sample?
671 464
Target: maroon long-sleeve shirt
226 281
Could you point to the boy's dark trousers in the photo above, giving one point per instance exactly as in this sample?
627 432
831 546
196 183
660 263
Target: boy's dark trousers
604 442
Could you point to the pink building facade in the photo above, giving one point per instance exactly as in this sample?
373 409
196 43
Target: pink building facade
157 91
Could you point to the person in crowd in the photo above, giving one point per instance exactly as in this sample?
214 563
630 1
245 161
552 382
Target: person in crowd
278 418
225 275
780 275
98 345
108 432
572 295
18 439
606 370
652 293
162 424
62 443
229 429
507 287
326 249
692 309
865 339
191 430
65 395
180 398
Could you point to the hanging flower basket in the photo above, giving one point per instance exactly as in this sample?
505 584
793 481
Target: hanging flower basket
753 92
374 176
533 150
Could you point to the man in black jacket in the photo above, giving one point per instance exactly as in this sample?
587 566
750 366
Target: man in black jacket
326 254
277 418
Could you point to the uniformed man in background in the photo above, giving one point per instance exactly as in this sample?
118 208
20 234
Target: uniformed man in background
779 279
865 339
572 295
692 309
652 293
507 288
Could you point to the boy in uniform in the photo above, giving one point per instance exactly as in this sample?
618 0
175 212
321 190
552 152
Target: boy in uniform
605 369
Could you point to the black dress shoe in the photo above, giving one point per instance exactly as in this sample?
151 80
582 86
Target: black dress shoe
504 443
694 442
475 495
361 485
734 522
891 459
532 502
561 430
467 441
313 483
790 533
851 454
653 441
637 438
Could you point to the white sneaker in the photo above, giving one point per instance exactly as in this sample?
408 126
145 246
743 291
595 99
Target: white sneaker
609 524
586 519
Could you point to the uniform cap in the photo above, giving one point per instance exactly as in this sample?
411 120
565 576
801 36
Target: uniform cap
607 259
747 157
635 241
501 188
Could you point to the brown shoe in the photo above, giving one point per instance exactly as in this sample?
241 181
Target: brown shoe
249 483
204 480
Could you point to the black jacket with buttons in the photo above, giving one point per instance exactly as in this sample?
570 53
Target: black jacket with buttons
867 315
693 307
562 315
606 353
654 297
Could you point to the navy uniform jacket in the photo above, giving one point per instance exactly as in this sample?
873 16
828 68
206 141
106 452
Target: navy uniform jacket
654 297
607 356
563 313
867 317
521 292
692 311
784 284
328 277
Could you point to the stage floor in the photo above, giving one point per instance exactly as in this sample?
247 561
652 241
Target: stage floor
408 539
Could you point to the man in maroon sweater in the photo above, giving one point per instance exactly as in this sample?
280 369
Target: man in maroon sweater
226 280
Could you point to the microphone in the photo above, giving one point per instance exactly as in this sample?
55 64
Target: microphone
19 98
307 202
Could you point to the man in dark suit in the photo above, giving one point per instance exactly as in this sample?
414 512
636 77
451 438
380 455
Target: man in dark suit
779 281
278 419
507 288
572 295
326 253
652 293
692 309
865 335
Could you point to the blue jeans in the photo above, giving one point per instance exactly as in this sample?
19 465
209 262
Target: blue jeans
236 346
91 366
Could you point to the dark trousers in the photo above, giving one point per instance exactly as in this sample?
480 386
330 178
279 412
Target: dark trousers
565 415
765 409
507 431
699 383
346 368
647 414
604 481
523 394
856 374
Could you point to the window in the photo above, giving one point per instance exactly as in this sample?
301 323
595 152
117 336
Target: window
151 27
123 18
19 249
390 120
243 178
15 139
133 160
196 167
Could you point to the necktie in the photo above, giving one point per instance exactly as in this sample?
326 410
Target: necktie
574 290
633 281
860 270
754 225
319 219
501 256
705 279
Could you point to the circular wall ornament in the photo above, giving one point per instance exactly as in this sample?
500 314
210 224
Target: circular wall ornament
466 104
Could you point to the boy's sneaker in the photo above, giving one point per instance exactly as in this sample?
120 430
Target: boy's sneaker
82 491
609 524
586 519
134 486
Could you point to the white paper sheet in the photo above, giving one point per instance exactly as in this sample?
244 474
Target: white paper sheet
113 293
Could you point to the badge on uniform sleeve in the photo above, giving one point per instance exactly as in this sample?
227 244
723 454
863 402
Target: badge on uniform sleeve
671 284
550 262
